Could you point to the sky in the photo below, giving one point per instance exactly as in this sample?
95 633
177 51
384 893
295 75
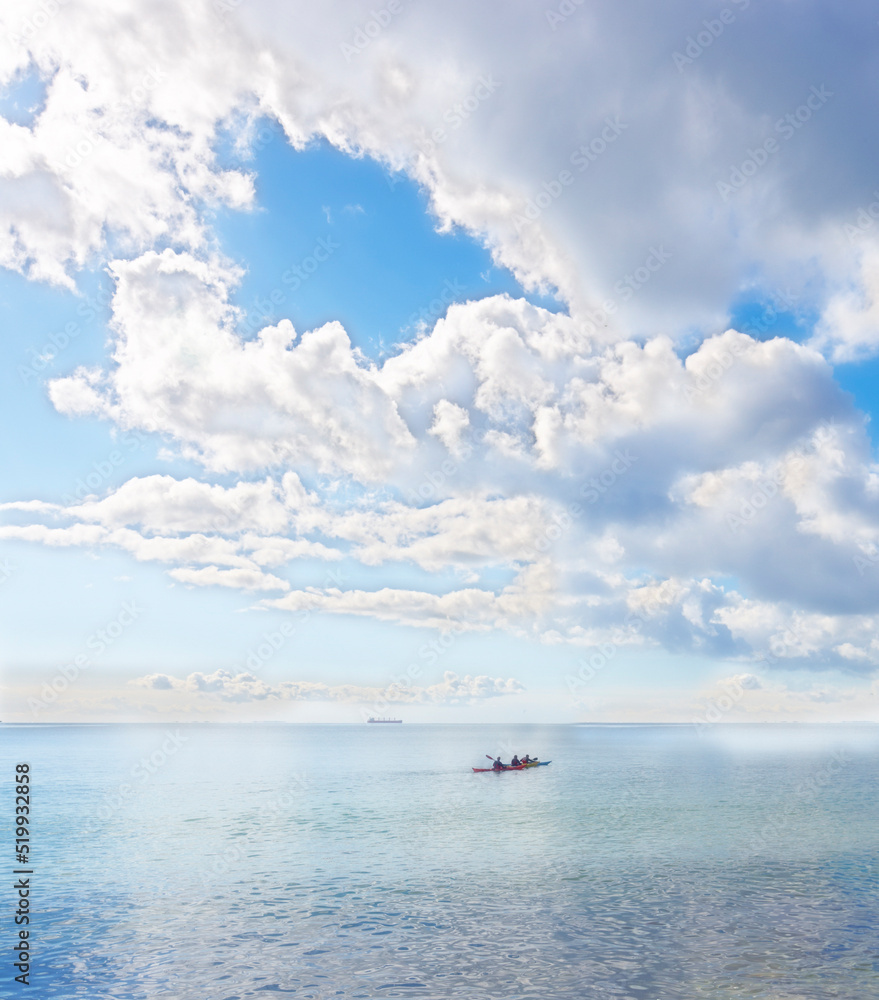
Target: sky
452 362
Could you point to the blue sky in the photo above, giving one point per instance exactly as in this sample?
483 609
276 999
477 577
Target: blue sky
358 359
387 267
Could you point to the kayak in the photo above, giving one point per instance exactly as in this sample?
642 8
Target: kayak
506 767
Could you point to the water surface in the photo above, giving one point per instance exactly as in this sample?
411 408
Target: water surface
226 862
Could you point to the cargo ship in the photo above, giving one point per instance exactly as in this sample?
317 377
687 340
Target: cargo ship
384 720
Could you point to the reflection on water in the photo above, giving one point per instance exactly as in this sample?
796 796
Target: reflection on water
333 861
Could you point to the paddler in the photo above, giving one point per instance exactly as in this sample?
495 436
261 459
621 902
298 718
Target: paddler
497 765
514 762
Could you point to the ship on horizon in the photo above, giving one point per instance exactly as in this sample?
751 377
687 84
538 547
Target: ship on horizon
384 720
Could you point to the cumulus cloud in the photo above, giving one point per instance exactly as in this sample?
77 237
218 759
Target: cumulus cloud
623 471
244 687
125 143
849 325
229 533
240 579
646 141
162 504
516 607
449 423
180 369
530 389
785 637
115 150
639 478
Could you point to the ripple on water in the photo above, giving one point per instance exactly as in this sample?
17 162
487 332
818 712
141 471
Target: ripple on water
638 864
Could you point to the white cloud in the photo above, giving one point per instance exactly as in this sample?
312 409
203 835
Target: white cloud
608 479
162 504
449 423
244 687
849 325
467 609
459 531
180 369
534 411
787 638
116 151
240 579
142 99
656 182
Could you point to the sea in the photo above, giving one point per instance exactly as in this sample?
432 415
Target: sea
218 862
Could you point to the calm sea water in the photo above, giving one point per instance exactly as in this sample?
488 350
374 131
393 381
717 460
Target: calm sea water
225 862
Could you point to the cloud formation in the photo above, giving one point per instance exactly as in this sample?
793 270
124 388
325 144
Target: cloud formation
483 130
630 471
244 687
624 471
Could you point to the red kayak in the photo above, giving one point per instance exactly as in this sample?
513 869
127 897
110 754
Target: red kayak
506 767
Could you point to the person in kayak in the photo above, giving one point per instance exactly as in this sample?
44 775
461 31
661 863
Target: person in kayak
497 765
514 762
526 759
